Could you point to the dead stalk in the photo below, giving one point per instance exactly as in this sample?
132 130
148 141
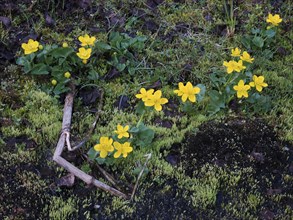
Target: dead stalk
64 137
148 157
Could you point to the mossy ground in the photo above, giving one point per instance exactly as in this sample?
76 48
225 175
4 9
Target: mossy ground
229 166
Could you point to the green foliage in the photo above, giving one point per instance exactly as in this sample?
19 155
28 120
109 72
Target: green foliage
261 41
142 135
54 61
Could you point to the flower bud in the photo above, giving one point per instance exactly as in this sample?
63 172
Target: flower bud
67 75
65 44
54 82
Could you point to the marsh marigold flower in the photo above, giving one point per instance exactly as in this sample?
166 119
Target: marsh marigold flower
104 147
123 149
144 94
84 54
236 52
274 19
30 47
187 92
122 131
87 40
241 89
258 83
246 57
234 66
240 66
156 100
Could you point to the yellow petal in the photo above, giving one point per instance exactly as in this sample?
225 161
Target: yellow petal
158 107
117 154
191 98
103 154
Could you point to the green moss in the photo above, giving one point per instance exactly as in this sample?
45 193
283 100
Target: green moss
43 113
60 209
31 181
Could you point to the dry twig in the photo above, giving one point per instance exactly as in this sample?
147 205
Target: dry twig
66 123
148 156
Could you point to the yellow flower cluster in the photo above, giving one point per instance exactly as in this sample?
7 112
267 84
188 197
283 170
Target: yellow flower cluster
187 92
107 145
233 65
242 89
152 98
83 52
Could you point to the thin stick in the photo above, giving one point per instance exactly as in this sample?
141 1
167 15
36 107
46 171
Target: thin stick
88 136
108 176
66 123
148 156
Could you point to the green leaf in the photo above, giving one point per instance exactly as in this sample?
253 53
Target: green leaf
217 101
103 46
255 30
61 52
120 67
270 33
188 107
268 54
258 41
140 108
93 75
92 153
202 92
39 69
100 160
23 61
134 130
144 136
246 41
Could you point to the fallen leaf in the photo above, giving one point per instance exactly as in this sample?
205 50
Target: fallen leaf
67 180
49 20
6 21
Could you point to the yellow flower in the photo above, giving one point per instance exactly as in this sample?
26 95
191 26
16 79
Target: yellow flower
274 19
122 131
240 66
231 66
67 75
65 44
83 53
144 95
246 57
236 52
241 89
258 83
104 146
54 82
123 149
187 92
87 40
156 100
31 47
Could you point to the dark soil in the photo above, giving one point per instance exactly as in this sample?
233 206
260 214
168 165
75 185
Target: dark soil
233 143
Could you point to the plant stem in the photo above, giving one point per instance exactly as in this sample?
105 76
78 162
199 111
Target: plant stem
140 120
